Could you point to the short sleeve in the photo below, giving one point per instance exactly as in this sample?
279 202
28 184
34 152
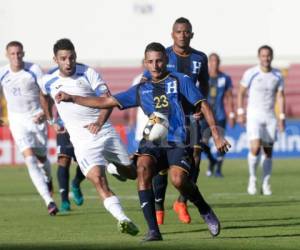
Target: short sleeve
190 91
94 78
246 79
228 83
128 99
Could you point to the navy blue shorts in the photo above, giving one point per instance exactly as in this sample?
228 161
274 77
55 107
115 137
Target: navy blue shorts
167 155
65 146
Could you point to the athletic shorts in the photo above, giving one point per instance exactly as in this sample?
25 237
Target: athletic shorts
65 146
28 134
263 128
166 156
106 147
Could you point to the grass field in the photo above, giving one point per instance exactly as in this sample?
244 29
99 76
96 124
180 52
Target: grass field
248 222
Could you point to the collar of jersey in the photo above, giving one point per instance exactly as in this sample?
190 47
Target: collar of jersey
161 80
181 55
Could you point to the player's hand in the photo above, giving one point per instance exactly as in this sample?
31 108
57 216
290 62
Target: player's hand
241 119
39 118
281 125
59 129
198 116
94 127
222 144
63 97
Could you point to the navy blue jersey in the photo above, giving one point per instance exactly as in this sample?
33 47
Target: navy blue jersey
217 89
165 97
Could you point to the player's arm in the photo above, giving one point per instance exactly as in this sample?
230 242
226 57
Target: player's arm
102 102
229 101
47 104
281 106
221 144
241 116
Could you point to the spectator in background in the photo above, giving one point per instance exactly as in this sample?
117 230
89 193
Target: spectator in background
264 84
220 92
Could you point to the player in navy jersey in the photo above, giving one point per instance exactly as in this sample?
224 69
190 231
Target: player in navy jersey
220 91
164 93
184 59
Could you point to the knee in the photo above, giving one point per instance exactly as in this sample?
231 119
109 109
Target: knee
63 161
178 180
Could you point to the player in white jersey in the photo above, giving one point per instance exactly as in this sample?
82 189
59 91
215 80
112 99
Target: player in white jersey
95 141
264 85
26 118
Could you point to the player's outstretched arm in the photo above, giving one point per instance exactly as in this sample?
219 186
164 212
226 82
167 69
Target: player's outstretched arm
221 144
241 116
88 101
281 105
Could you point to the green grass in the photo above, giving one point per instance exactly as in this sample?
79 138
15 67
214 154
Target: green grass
248 222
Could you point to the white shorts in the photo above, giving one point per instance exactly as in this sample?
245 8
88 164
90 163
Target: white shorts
107 147
28 134
263 128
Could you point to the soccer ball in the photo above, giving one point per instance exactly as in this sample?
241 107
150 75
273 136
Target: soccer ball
156 128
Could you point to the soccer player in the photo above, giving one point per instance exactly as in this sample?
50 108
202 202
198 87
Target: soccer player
94 139
163 93
26 118
264 84
65 154
184 59
220 91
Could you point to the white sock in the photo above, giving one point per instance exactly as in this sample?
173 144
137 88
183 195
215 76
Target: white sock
113 205
37 178
46 169
252 164
267 170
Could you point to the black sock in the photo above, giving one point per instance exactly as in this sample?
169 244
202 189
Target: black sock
79 177
197 199
160 183
63 182
147 205
206 150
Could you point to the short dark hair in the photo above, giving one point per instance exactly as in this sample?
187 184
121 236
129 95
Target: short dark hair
265 47
14 44
155 47
216 56
63 44
185 21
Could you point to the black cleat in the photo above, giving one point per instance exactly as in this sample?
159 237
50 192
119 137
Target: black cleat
52 209
152 235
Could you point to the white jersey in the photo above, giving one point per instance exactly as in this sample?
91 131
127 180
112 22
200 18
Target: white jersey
84 82
262 89
141 118
21 89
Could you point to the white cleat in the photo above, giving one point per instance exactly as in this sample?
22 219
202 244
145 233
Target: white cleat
252 186
208 173
266 189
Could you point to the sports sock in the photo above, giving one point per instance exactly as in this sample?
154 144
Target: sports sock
63 175
194 195
147 204
267 170
252 164
160 183
37 178
206 150
78 178
46 169
113 205
220 159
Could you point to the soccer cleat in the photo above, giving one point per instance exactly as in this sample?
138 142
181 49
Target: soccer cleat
65 207
266 189
112 169
128 227
52 209
208 173
181 209
211 167
77 195
152 235
212 222
160 214
252 186
218 174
